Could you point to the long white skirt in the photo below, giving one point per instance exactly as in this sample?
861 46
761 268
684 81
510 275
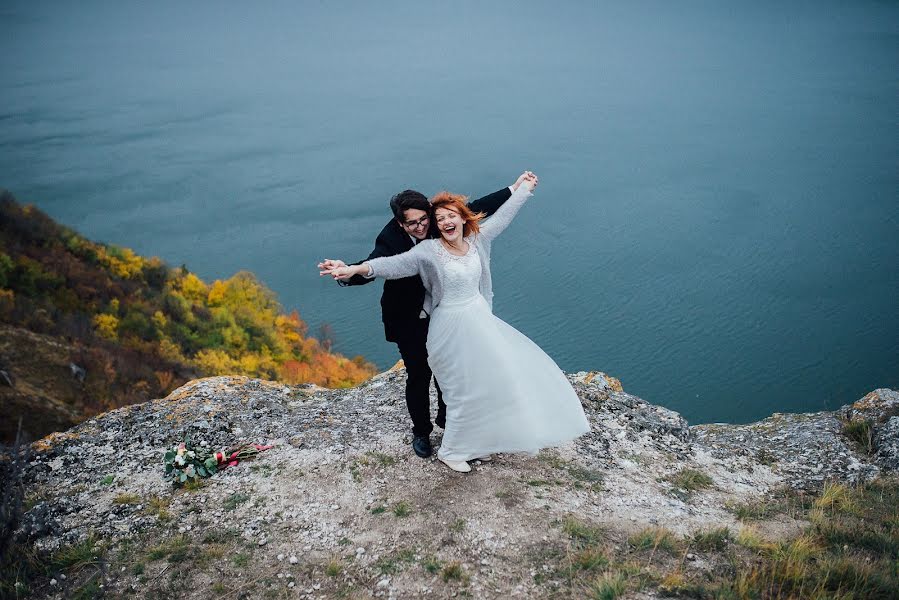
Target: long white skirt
502 392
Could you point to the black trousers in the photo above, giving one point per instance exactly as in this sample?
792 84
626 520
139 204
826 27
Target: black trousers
413 349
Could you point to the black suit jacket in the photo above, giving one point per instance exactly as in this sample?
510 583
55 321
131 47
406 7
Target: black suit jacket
402 300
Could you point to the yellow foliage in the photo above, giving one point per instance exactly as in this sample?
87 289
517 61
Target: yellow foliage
193 288
106 326
170 351
235 337
249 363
290 329
217 293
159 319
122 262
215 362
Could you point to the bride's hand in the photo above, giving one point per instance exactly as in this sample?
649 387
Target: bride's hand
518 181
530 181
343 273
339 270
329 264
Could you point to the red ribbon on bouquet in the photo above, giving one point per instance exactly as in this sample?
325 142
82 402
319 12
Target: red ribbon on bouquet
230 457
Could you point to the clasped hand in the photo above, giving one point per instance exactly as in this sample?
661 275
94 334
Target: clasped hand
337 269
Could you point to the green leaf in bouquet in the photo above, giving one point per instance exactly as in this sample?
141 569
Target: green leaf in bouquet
211 464
201 471
183 477
169 468
169 456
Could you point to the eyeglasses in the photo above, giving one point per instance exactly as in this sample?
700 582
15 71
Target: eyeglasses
416 224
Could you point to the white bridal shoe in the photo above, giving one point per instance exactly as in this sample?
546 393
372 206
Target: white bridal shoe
486 458
456 465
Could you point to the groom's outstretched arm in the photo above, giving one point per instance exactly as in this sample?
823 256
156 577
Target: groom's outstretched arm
383 247
490 204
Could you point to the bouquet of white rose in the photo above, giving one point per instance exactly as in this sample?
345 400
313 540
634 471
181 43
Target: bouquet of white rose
185 462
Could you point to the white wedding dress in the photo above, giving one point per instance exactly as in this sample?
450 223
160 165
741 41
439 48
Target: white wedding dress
502 392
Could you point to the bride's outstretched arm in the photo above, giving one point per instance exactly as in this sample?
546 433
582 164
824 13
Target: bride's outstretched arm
402 265
495 225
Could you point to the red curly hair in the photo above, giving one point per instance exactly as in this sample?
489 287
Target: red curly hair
457 204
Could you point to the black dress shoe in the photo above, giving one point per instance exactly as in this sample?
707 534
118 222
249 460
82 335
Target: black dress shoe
422 446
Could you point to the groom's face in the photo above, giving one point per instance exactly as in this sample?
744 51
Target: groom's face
415 222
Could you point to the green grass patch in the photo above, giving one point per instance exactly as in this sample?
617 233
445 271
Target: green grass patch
589 560
538 482
754 510
193 484
79 555
220 536
381 459
861 432
431 564
785 501
849 550
655 538
608 586
174 548
89 590
333 568
158 507
126 499
395 562
263 470
584 474
402 509
235 500
580 532
579 474
709 540
240 559
687 480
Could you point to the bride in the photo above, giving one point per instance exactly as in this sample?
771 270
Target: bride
502 392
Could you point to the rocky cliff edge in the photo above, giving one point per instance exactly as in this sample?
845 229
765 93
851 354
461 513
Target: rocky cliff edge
341 507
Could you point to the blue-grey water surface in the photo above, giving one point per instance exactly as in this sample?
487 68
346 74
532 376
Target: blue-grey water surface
717 220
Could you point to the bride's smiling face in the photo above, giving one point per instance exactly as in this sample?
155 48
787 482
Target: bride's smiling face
449 223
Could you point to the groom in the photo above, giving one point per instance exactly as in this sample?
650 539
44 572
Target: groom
405 321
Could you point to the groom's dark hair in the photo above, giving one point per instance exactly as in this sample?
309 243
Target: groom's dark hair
407 199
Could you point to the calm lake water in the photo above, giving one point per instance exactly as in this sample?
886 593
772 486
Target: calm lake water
717 221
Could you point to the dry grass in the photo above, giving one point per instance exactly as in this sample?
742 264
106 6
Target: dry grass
836 497
861 432
126 499
655 538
